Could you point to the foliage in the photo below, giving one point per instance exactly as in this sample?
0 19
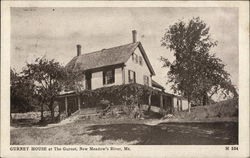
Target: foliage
130 95
127 94
22 91
195 72
74 80
48 77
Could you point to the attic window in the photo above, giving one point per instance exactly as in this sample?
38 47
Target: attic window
140 60
108 77
134 58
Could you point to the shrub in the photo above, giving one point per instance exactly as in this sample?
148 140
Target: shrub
127 94
131 96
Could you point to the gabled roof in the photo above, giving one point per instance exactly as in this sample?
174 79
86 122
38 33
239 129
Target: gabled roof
107 57
157 85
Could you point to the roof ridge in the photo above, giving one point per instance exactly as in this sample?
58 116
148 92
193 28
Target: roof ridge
109 48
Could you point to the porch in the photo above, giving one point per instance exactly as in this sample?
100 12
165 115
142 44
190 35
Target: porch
71 102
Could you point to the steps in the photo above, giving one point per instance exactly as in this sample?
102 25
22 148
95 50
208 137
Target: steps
87 113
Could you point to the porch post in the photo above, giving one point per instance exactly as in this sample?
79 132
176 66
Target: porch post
79 102
123 75
149 102
177 104
180 104
161 102
172 106
66 106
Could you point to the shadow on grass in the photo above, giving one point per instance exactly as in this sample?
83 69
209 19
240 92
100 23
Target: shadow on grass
169 133
32 122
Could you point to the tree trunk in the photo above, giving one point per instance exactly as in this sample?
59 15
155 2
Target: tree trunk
189 105
204 102
52 113
42 118
52 109
59 112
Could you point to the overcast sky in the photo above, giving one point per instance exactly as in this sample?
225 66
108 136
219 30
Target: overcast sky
54 32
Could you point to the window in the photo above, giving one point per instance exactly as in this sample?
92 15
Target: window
146 80
108 77
131 76
140 60
136 58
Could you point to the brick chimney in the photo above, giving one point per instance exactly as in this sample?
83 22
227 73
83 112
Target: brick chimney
78 47
134 34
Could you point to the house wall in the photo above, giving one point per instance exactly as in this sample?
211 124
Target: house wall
118 76
175 102
97 79
140 70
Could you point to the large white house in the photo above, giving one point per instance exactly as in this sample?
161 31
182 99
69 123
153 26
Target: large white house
114 66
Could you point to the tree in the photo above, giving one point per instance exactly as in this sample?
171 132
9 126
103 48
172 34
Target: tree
21 93
195 72
48 77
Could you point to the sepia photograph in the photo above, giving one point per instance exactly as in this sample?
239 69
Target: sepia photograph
149 76
119 78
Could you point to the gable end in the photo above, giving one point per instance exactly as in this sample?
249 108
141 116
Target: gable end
146 59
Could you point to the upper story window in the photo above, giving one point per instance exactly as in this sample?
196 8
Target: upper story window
108 77
140 60
146 80
135 58
131 76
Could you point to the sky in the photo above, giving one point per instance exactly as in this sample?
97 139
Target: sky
55 32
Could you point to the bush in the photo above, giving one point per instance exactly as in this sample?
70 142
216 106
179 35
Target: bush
127 94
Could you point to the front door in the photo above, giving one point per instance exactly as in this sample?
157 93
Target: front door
88 81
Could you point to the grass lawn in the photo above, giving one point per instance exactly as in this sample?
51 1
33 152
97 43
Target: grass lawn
121 132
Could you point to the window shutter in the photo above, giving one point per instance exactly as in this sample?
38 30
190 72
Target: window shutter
129 76
104 77
136 58
140 60
113 75
134 78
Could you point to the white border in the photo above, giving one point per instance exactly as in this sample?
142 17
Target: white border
138 150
